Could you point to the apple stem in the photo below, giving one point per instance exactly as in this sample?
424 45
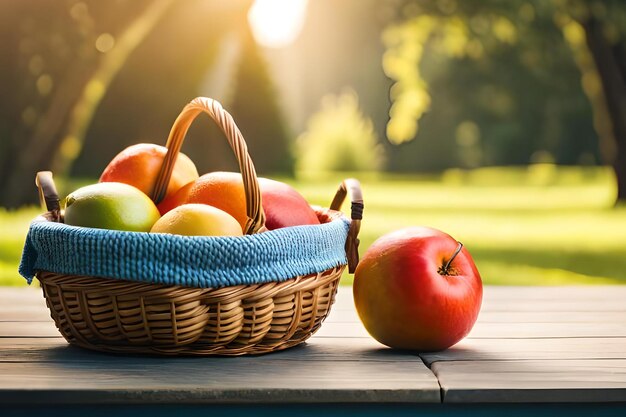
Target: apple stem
456 252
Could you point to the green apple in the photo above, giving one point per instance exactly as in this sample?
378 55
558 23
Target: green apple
111 205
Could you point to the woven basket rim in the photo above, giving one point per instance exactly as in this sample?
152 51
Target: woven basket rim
333 216
190 261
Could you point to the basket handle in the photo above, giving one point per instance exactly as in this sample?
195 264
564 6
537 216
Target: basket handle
254 209
351 187
48 195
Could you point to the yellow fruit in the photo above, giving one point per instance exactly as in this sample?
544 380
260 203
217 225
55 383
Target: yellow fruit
197 220
111 205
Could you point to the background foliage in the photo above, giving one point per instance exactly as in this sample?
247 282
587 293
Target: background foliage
503 123
339 138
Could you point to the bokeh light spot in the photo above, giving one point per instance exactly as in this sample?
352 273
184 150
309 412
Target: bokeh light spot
105 42
44 84
70 146
504 30
79 11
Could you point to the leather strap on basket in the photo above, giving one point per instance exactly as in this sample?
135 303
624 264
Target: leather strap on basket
254 210
351 187
48 195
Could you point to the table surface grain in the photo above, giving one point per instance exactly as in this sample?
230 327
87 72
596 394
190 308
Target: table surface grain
530 345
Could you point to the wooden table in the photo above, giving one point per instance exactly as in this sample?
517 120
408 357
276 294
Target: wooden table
536 350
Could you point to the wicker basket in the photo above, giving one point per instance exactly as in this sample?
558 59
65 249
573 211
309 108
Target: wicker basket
121 316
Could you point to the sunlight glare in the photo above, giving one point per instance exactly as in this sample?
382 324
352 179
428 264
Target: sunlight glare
277 23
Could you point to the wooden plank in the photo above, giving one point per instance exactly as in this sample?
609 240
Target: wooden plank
337 349
547 330
513 324
532 381
520 349
500 302
38 365
11 329
609 304
351 316
23 304
513 299
530 344
24 314
551 317
265 379
11 346
567 298
501 330
21 295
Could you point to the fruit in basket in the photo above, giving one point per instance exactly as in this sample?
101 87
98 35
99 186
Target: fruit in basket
284 206
417 289
223 190
138 165
197 220
111 205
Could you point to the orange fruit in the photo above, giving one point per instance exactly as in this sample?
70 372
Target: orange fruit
223 190
197 220
111 205
138 165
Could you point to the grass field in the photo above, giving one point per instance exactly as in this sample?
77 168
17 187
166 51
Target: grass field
540 225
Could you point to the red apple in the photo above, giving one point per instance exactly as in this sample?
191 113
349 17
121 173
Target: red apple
417 289
284 206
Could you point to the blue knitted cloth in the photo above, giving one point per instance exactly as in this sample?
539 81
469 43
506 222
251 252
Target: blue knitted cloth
204 262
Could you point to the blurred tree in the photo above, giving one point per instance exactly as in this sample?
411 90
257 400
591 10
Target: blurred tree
596 32
179 60
516 82
118 75
339 138
255 108
57 69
